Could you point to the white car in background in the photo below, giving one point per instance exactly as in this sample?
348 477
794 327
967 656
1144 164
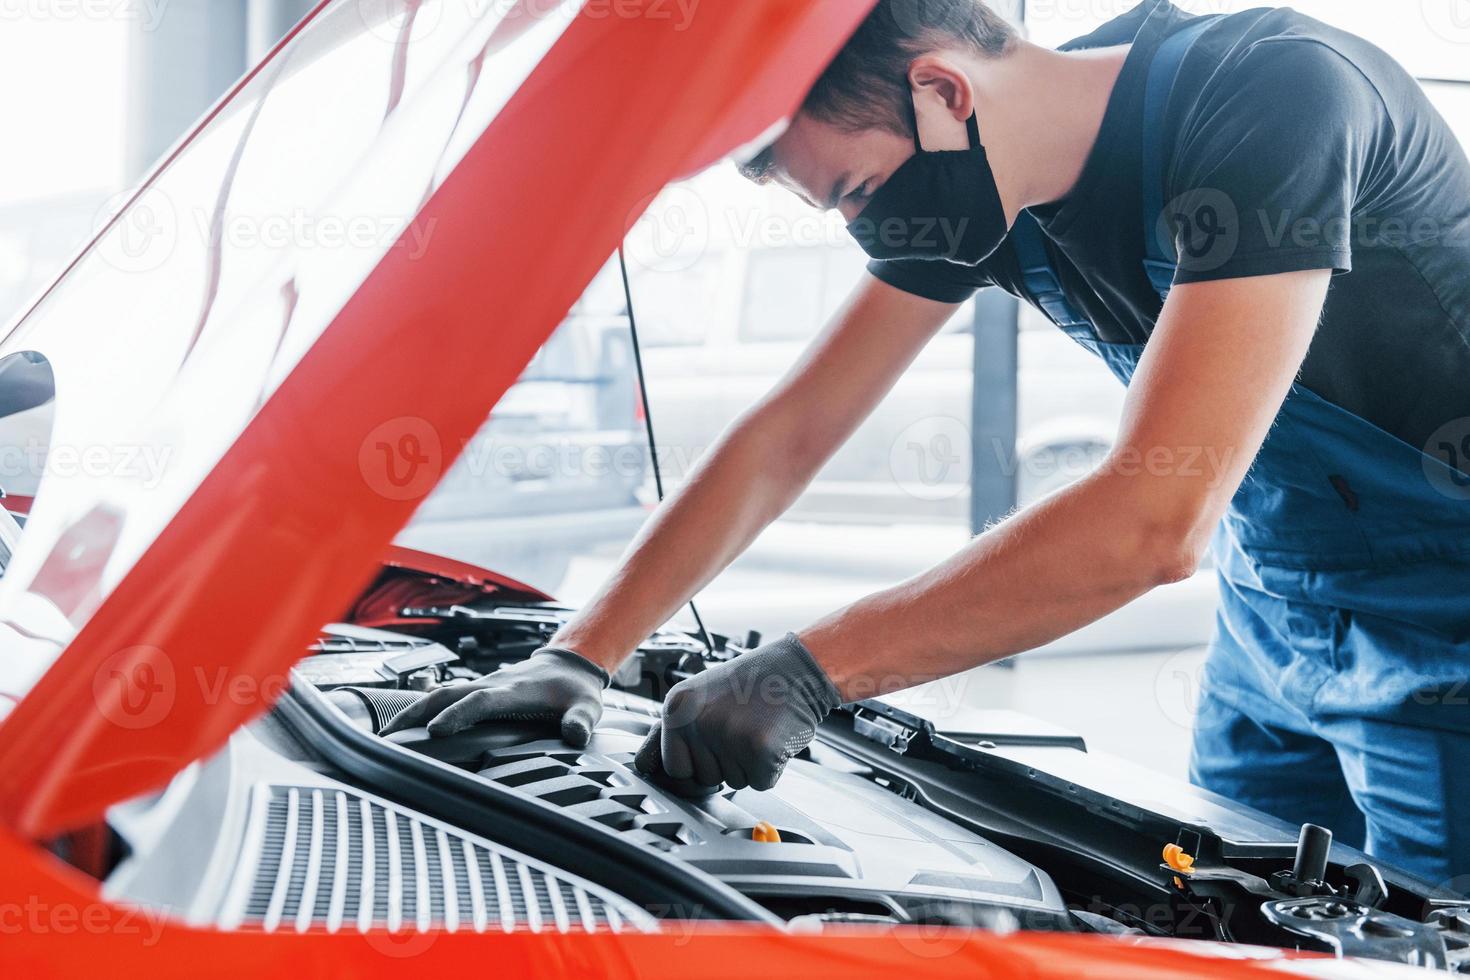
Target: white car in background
558 467
910 461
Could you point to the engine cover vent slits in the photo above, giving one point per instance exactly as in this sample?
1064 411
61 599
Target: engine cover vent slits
592 789
325 858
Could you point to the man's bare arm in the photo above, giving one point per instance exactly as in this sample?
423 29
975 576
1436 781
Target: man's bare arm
757 469
1212 380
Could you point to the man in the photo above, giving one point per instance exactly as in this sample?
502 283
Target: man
1300 395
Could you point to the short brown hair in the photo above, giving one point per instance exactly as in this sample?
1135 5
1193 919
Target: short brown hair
866 86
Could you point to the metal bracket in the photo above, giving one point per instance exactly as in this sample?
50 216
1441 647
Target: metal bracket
1350 929
886 732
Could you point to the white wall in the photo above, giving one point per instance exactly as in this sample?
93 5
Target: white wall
1430 37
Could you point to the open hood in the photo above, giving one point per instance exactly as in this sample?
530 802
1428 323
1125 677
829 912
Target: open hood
301 318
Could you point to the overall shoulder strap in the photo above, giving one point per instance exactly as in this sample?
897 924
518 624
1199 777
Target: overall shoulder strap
1160 259
1038 275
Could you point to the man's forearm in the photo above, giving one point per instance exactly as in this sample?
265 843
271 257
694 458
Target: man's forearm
1040 575
758 468
705 524
1214 376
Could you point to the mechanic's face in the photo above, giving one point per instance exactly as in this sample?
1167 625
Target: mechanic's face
829 168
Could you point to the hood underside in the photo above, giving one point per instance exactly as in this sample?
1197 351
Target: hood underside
276 397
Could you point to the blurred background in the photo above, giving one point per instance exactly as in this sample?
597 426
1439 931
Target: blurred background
729 283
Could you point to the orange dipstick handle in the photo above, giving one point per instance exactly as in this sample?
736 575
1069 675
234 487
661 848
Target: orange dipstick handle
1176 858
765 833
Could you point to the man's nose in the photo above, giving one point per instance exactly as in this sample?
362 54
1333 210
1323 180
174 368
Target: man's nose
849 210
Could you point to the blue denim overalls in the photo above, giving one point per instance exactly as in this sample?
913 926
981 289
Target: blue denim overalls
1337 690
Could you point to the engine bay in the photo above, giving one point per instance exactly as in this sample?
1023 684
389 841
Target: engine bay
886 820
311 816
826 844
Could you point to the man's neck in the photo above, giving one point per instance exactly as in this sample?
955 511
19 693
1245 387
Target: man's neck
1040 113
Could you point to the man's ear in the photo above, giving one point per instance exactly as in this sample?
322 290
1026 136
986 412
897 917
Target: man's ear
943 95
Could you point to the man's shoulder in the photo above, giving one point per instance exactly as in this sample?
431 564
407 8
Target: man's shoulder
1285 60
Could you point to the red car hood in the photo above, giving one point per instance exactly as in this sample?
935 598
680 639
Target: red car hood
307 405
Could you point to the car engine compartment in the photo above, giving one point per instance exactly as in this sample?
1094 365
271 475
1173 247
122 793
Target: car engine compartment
826 844
312 817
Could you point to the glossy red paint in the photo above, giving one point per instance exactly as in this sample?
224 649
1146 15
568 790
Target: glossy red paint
66 930
17 504
284 531
416 578
448 569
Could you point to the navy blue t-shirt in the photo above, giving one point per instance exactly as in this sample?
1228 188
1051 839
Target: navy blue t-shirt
1290 145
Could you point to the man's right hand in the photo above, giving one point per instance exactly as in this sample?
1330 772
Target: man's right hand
551 685
739 722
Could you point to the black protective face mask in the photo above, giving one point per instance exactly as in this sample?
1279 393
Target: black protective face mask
940 205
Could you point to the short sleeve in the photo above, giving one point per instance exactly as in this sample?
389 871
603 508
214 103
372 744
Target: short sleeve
943 282
1270 162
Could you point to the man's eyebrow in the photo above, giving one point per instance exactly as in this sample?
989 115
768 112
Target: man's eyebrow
836 196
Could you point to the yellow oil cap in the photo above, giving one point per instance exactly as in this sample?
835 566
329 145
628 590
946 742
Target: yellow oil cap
765 833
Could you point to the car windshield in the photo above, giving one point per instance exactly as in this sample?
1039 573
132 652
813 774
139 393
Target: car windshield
217 278
730 282
560 470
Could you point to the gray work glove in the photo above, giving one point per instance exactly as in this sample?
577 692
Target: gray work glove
739 722
550 685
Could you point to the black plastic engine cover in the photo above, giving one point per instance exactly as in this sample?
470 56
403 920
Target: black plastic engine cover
847 843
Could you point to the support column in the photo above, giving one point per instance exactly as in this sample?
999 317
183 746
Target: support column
270 20
180 63
994 408
183 60
994 413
